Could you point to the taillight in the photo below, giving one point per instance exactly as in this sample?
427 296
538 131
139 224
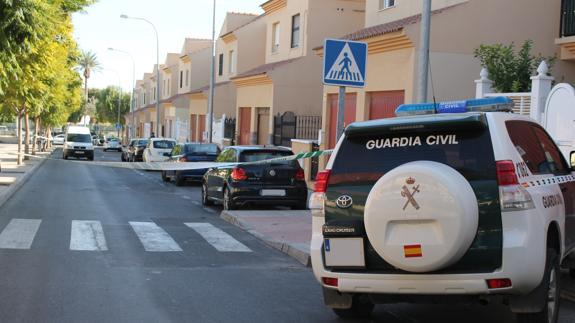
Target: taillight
300 175
317 198
513 196
329 281
321 181
506 173
239 174
499 283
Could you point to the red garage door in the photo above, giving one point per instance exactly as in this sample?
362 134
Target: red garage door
383 104
349 115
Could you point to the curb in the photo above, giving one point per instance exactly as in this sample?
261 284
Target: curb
13 188
301 256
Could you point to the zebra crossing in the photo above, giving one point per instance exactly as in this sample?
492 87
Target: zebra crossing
90 236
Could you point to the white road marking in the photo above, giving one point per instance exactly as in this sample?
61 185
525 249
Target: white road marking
207 209
19 234
218 238
87 236
154 238
196 203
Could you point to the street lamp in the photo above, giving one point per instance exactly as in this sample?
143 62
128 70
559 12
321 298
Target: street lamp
132 105
212 77
157 69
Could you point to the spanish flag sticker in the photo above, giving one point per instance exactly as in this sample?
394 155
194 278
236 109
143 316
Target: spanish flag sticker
412 251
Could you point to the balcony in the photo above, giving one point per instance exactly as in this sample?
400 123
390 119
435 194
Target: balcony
566 38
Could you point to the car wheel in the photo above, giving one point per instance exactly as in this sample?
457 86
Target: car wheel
228 203
361 307
165 177
91 158
551 281
179 180
65 156
205 200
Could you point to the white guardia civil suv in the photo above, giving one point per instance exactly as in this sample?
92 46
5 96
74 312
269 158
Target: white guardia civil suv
459 201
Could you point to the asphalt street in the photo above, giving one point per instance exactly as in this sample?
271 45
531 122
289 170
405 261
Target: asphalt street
80 243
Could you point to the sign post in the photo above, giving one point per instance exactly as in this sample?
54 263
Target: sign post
344 65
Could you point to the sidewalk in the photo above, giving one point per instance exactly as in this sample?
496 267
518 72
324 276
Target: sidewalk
12 176
287 231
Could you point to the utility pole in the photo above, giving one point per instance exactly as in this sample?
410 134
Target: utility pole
424 52
210 118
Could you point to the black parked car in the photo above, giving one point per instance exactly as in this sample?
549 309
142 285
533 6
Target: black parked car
136 151
278 183
186 153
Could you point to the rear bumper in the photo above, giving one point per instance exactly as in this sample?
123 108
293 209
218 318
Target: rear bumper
245 194
524 254
192 175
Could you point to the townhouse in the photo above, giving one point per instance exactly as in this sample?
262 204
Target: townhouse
289 79
392 31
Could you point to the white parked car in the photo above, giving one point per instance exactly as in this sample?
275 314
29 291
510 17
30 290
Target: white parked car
157 149
472 203
59 139
112 144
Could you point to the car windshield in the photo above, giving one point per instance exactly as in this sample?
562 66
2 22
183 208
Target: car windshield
164 144
76 137
202 149
259 155
142 142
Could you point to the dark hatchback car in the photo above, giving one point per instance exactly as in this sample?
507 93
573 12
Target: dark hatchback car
136 150
277 183
189 153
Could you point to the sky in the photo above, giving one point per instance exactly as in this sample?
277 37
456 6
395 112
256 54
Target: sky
100 27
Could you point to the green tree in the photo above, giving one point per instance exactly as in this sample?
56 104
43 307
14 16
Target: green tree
107 105
511 71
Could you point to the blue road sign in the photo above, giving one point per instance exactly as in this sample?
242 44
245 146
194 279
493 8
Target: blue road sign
118 126
344 63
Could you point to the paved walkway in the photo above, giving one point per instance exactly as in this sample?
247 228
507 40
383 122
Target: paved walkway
12 175
287 231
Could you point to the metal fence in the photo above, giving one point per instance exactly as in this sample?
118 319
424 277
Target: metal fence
289 126
567 18
521 101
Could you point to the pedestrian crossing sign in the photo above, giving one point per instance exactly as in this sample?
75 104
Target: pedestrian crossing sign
344 63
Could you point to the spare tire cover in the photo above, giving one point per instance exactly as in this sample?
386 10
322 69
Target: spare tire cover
421 216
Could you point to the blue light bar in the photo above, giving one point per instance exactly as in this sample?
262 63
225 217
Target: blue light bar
495 104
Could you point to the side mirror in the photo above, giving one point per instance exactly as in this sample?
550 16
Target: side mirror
572 160
167 155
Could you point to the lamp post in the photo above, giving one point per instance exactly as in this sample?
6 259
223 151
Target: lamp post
158 128
132 105
212 77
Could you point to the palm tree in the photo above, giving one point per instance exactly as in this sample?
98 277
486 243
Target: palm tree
87 63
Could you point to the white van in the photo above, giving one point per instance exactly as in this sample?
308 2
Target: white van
78 143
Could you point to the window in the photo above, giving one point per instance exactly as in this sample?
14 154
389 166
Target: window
275 37
221 65
232 62
536 148
154 94
384 4
227 156
182 79
187 77
295 23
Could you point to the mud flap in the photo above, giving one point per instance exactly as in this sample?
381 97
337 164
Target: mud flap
532 302
334 299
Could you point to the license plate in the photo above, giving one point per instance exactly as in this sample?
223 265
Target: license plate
273 192
79 152
344 252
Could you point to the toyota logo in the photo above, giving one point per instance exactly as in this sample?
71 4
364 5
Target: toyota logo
272 172
344 202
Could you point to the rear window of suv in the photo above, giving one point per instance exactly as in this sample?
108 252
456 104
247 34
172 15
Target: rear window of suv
164 144
365 158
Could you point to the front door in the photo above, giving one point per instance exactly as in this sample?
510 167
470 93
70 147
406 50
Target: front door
201 127
193 128
350 103
263 126
245 125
